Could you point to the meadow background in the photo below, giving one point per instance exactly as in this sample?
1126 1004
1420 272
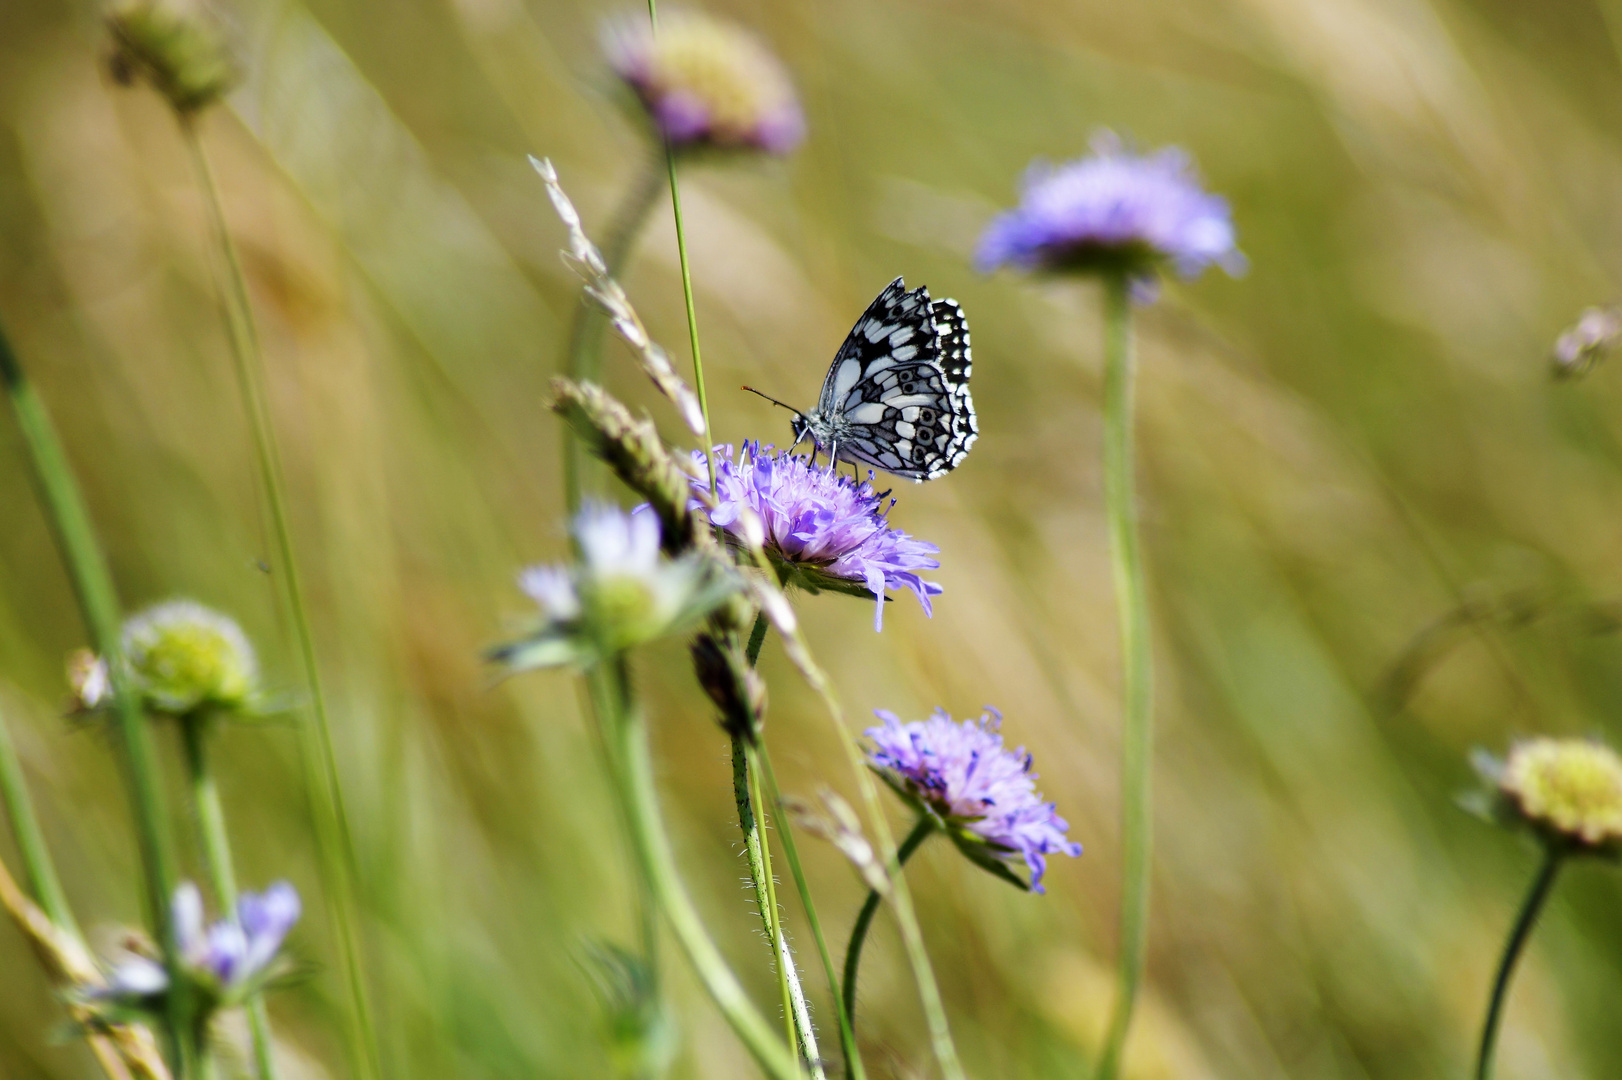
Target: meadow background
1378 533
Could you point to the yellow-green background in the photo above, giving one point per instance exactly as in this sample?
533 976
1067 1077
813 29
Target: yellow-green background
1337 450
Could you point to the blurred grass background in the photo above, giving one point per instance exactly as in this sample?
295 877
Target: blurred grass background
1337 451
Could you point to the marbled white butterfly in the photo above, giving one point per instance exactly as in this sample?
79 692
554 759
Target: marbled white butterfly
897 395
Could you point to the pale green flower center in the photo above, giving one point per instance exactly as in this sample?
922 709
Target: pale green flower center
1570 785
182 664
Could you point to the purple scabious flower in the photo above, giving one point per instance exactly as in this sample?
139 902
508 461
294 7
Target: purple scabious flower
982 792
225 961
822 530
1114 210
706 83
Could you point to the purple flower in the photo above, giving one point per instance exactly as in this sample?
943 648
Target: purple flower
822 530
983 792
706 83
226 960
1114 210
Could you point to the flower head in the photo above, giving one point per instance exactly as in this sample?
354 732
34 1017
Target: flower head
706 83
1597 331
182 657
178 47
822 530
223 963
1114 210
621 593
983 793
1568 791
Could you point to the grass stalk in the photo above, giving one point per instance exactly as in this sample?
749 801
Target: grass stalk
38 865
221 868
626 727
1132 605
92 580
334 837
1531 908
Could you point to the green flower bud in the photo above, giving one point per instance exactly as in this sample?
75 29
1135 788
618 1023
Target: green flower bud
183 657
178 48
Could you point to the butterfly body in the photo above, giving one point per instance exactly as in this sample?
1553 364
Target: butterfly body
897 394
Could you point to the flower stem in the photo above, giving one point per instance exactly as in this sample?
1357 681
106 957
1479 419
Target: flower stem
627 728
584 358
1126 563
847 1035
216 844
92 581
687 283
864 918
1531 907
334 838
36 855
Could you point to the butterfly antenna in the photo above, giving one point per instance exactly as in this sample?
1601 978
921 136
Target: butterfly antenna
774 401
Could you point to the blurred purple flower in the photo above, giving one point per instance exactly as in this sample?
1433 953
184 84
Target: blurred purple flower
706 83
822 530
1114 210
964 774
226 959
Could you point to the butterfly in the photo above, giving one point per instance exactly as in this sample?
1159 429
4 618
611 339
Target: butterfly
897 394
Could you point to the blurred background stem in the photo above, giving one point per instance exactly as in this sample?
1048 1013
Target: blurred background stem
1531 908
1132 605
334 838
86 564
626 727
36 856
195 731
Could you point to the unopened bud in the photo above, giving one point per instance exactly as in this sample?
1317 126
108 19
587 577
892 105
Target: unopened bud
179 48
737 690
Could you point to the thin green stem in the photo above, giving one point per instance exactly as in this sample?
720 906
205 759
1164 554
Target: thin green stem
1531 907
687 283
36 854
1132 605
847 1036
215 841
334 837
583 359
864 918
87 568
627 727
757 849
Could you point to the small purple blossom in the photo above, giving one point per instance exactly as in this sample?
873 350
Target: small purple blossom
1114 210
226 959
822 530
963 773
706 83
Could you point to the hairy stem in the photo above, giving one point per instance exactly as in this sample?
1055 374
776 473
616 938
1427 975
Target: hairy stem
92 581
334 838
584 358
864 918
1531 907
1132 605
222 879
627 728
757 851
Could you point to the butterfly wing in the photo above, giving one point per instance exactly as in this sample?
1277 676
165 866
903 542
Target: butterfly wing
895 398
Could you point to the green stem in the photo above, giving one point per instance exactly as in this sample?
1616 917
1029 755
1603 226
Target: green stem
215 841
584 358
1126 564
86 564
36 855
746 793
687 284
847 1036
334 838
1531 907
626 726
864 918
